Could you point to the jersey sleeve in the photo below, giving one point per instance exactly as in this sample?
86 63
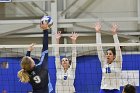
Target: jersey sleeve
44 55
100 52
74 55
50 85
57 58
28 53
117 48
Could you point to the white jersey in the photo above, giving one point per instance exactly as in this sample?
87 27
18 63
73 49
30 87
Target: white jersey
65 80
111 73
111 76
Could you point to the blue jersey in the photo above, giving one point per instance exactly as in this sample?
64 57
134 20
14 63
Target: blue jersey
39 75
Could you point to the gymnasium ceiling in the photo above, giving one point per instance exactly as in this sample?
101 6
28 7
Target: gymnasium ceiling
19 19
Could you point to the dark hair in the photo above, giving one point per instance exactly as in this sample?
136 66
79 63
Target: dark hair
113 50
129 88
69 61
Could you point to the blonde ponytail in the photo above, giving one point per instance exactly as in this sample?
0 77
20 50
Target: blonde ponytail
24 76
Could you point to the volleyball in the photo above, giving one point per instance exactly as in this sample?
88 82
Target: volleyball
48 20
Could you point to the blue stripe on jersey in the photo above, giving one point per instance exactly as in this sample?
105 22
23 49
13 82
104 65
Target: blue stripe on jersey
42 57
50 85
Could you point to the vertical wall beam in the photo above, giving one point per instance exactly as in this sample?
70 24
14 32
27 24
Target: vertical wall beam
54 17
54 27
2 10
138 11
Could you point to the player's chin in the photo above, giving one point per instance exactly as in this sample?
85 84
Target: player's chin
65 65
108 60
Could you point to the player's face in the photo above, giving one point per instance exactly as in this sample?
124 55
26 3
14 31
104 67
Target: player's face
65 62
110 57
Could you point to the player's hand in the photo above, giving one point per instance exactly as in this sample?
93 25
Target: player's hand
44 26
58 36
97 26
114 28
73 37
31 47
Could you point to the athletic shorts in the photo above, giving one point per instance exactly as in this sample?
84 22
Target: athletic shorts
109 91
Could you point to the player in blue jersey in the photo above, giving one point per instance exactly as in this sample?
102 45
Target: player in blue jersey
37 74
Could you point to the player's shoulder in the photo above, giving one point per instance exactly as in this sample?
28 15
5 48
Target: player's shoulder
37 68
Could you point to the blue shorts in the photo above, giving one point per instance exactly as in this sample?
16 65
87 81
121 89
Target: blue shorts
109 91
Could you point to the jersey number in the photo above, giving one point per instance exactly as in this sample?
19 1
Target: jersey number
108 70
65 77
37 79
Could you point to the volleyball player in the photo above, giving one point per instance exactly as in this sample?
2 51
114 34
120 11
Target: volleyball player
36 74
111 62
129 89
65 69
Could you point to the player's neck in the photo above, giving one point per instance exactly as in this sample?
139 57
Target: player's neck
65 70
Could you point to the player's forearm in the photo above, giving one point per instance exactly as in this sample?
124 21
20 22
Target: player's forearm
115 37
57 57
117 48
74 55
99 48
73 41
28 53
45 40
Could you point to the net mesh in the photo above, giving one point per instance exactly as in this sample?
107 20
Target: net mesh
88 73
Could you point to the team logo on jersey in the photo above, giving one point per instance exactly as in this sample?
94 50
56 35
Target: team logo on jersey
33 73
65 77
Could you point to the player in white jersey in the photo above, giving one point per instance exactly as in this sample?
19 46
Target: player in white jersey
111 62
65 69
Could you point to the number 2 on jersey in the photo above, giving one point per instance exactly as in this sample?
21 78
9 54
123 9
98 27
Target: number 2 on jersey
37 79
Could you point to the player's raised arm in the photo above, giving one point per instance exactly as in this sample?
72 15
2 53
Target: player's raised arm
57 56
114 30
73 38
100 52
44 55
30 49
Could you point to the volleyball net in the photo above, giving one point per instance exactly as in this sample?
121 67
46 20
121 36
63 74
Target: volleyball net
88 73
